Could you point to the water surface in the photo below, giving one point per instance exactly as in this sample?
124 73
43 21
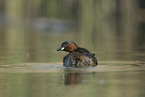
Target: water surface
109 79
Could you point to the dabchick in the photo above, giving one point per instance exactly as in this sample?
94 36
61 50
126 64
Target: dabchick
77 57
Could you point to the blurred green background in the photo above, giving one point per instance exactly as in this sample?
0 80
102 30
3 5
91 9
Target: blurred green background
32 30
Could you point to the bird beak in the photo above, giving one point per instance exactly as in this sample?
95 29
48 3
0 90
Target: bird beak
60 49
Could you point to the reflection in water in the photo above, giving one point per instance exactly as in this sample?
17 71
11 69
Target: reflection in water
102 84
71 77
74 77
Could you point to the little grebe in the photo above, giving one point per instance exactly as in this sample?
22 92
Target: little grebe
77 57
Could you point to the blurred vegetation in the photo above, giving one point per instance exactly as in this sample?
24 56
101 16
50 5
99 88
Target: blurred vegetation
31 30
